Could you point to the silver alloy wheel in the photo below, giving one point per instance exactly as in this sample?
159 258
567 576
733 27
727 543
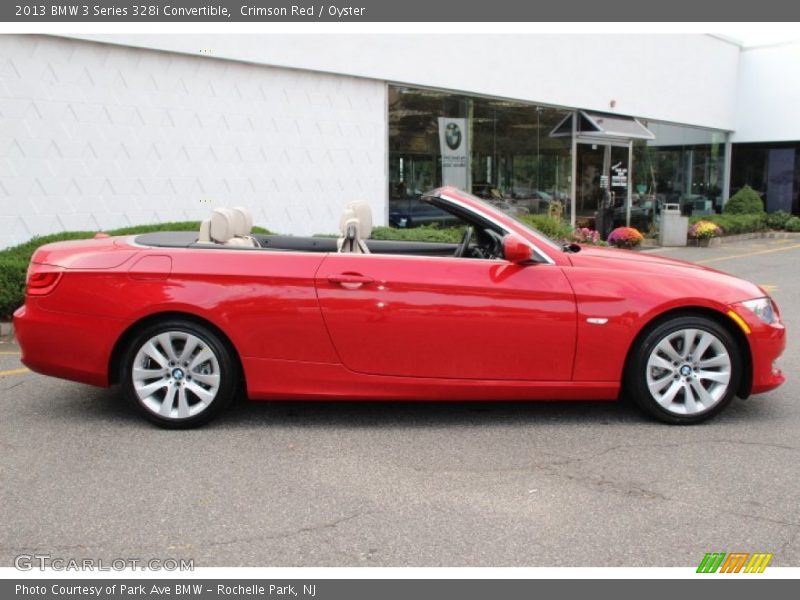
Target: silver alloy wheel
689 371
176 375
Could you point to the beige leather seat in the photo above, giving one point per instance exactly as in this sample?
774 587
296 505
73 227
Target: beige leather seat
228 226
244 220
355 227
242 226
221 229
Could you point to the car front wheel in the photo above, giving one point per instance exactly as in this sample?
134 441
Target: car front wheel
685 370
178 374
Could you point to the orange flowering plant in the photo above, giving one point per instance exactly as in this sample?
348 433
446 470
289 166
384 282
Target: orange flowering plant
625 237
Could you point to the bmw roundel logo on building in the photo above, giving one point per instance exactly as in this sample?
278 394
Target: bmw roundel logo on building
452 134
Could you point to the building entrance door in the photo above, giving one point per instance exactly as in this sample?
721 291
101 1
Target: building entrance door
603 186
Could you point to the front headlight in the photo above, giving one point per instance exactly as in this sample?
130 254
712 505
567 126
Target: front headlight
763 309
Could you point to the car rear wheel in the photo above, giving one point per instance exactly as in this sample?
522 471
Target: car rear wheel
178 374
685 370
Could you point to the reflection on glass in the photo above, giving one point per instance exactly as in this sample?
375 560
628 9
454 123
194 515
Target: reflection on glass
772 170
513 161
602 190
520 160
682 165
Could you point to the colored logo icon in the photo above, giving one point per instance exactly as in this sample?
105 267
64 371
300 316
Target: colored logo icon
735 562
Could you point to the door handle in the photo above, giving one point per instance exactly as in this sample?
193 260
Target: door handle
350 280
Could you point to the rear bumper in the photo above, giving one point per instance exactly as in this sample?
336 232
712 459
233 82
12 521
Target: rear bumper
65 345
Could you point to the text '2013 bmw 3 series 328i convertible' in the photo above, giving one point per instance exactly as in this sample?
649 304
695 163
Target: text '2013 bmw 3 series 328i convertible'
186 321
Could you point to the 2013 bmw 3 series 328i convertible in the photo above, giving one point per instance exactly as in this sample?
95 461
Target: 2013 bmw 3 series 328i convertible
186 321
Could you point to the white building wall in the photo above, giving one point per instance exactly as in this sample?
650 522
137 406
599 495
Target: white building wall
768 94
96 136
683 78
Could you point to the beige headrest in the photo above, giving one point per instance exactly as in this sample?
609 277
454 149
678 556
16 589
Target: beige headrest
205 228
222 225
357 213
243 221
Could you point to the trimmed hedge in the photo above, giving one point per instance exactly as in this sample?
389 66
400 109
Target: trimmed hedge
12 284
732 224
744 202
552 228
14 261
424 233
555 229
778 219
792 224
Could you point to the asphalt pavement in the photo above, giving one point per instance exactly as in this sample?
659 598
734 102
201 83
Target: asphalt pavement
409 484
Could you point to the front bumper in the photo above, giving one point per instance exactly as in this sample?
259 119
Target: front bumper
767 343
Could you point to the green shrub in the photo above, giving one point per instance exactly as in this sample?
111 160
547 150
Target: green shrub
12 284
792 224
744 202
555 229
777 219
733 224
14 261
425 233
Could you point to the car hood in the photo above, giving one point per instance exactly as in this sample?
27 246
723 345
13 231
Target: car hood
731 288
630 259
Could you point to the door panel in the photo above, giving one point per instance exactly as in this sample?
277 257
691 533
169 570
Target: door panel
448 317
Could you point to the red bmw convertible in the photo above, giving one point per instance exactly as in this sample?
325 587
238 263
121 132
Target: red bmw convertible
186 321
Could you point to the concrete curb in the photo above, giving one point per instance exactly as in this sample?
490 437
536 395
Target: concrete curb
757 235
6 329
649 244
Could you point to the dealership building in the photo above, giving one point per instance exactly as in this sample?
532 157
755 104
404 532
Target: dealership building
105 131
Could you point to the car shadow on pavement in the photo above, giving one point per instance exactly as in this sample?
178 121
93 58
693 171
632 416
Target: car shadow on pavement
422 414
453 413
109 405
92 404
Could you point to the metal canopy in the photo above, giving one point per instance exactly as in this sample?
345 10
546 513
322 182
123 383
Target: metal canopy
601 126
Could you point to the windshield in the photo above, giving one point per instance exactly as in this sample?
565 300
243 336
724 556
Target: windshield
493 209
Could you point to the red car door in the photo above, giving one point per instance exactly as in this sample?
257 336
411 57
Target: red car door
448 317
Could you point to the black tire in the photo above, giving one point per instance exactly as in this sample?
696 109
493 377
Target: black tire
191 386
636 379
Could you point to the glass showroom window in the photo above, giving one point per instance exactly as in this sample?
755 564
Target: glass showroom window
497 149
773 170
682 165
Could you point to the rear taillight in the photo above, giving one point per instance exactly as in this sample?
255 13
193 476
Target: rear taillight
42 279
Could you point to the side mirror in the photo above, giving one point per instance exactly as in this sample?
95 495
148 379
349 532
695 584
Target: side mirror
516 250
